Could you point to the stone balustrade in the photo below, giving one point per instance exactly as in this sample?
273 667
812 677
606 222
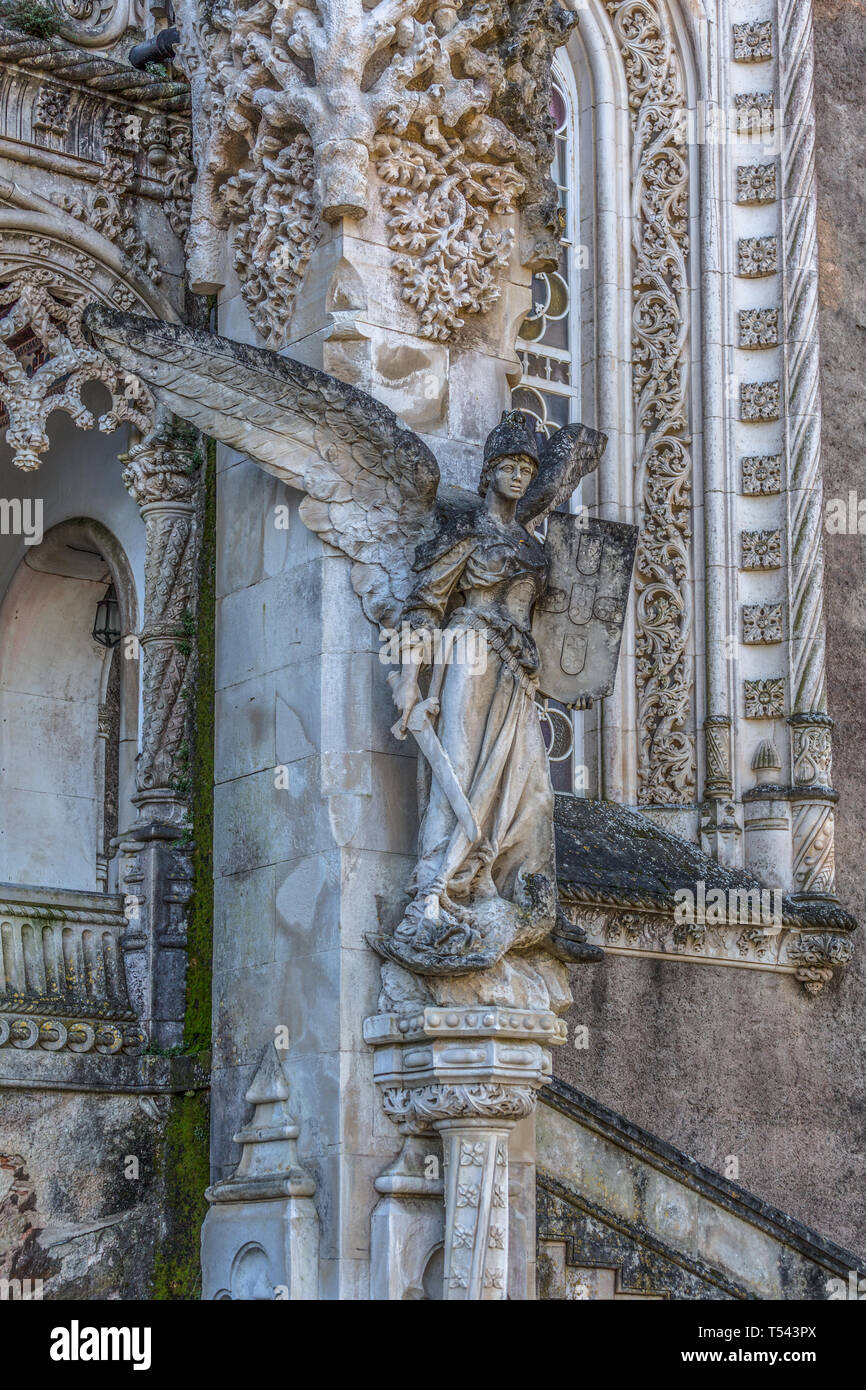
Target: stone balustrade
62 982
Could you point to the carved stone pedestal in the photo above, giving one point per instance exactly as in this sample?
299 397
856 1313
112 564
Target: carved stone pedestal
407 1227
156 879
467 1074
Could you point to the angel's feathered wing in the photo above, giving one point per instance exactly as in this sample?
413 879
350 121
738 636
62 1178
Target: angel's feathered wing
568 456
369 484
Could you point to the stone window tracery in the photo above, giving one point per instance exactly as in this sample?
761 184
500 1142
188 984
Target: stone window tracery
547 347
549 390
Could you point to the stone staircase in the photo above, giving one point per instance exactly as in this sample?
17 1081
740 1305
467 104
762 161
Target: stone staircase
622 1214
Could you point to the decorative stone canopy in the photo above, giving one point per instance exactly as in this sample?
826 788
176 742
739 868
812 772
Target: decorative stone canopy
619 874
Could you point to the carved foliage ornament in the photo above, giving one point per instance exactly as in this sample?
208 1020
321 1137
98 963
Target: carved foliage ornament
765 699
488 1100
663 568
274 207
762 475
438 214
451 105
45 361
757 256
753 43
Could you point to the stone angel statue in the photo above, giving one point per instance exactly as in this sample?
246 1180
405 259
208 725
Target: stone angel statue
426 559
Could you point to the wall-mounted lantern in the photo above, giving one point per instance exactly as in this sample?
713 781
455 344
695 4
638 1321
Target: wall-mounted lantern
106 624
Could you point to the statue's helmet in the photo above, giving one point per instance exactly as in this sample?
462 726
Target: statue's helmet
513 435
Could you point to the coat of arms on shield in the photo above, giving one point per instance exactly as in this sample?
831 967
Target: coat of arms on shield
578 624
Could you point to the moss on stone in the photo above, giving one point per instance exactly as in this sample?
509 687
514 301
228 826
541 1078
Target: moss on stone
177 1266
197 1023
35 17
186 1151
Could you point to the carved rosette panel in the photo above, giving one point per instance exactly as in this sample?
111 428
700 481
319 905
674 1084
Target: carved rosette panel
663 567
299 105
45 360
161 474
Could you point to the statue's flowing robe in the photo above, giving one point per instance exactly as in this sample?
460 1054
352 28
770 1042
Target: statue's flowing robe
488 722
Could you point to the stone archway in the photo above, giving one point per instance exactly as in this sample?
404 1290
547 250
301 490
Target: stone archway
60 753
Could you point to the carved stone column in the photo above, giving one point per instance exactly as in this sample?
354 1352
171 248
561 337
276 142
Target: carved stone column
813 800
161 474
469 1074
812 826
812 796
719 824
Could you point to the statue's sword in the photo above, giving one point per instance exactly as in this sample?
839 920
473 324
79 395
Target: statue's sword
420 722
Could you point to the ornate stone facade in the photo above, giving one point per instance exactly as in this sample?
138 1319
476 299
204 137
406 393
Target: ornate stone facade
392 197
666 740
450 113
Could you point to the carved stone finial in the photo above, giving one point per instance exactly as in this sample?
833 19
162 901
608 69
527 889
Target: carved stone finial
269 1165
260 1239
766 764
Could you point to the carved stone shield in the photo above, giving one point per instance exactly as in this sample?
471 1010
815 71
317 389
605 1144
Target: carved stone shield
578 624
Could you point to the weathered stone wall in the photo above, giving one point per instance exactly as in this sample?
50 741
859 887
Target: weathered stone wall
725 1061
88 1180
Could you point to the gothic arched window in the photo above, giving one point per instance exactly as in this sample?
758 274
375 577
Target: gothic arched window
549 390
547 344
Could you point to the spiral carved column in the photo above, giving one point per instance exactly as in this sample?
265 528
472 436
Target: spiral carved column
162 476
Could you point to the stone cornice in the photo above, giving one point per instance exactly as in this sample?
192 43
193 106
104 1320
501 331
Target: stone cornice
64 62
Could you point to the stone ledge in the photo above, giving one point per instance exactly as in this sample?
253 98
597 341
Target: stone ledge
117 1075
619 874
81 68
